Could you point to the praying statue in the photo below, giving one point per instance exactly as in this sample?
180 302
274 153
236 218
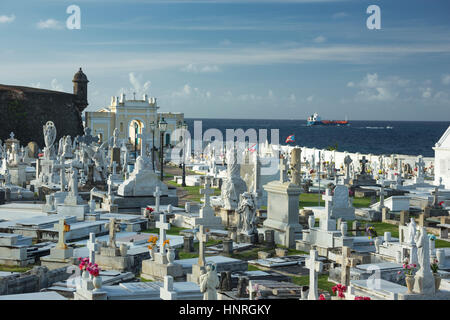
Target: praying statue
209 282
247 214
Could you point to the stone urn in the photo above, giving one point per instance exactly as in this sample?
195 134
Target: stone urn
171 256
97 282
311 221
410 283
344 228
304 292
437 281
377 242
85 275
152 253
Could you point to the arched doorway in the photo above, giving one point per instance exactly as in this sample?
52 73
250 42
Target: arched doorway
134 130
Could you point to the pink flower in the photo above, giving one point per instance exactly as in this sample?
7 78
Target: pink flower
322 297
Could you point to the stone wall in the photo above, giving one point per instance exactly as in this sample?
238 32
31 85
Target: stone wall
32 281
25 110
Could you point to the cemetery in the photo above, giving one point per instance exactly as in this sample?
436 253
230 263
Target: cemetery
87 219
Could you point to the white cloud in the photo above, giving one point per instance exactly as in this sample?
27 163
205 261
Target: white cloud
374 89
320 39
50 24
138 87
310 98
200 69
350 84
426 92
446 79
7 19
55 85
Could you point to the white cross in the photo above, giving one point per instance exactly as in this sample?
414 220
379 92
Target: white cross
283 170
62 229
157 194
328 201
346 263
92 247
202 238
163 226
314 267
207 192
11 135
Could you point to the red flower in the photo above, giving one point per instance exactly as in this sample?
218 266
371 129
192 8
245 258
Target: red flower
322 297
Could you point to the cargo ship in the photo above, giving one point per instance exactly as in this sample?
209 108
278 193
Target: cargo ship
315 120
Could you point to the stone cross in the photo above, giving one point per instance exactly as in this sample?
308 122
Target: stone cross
314 267
202 238
363 162
283 170
346 263
207 192
63 227
162 225
92 247
11 135
167 292
328 202
157 194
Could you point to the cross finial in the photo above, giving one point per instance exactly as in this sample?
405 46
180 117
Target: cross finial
207 192
92 247
163 226
63 227
157 195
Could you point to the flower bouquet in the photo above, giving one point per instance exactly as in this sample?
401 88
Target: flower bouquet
408 271
371 232
340 289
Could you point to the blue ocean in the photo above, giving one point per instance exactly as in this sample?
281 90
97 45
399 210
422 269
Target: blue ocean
376 137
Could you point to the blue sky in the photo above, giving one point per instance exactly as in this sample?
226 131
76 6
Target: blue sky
281 59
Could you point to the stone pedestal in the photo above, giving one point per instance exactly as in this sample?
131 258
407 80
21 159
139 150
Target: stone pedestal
248 238
197 271
58 258
159 268
227 246
18 174
188 244
283 212
229 217
73 210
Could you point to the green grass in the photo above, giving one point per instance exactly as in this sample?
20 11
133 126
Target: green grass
175 231
292 252
322 280
381 228
14 268
145 280
193 192
363 202
311 200
251 254
253 268
190 255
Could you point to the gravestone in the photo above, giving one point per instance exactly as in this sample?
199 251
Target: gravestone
314 267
